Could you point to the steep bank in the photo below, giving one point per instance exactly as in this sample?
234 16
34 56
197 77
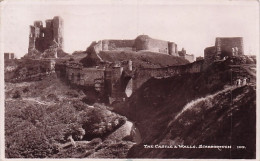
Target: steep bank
214 121
142 59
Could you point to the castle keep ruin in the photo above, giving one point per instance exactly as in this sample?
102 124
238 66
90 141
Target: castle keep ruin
229 46
49 38
224 47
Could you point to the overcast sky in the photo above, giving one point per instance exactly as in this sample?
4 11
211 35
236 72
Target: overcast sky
192 25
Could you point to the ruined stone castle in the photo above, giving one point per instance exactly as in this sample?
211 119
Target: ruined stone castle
142 43
46 39
112 78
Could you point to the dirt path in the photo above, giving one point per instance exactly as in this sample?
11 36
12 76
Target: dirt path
30 99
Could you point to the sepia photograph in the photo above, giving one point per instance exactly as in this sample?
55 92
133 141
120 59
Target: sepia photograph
121 79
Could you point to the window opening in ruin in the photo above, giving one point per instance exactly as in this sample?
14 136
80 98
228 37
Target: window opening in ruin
42 34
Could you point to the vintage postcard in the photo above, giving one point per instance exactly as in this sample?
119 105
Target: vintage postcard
129 80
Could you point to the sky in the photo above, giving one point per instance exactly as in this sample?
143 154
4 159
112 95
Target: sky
193 25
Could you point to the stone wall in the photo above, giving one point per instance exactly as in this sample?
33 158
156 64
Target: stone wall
158 46
142 75
209 55
188 57
118 80
144 42
141 43
84 76
124 45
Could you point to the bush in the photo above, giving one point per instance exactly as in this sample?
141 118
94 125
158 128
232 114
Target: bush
26 89
17 94
79 106
89 101
72 93
33 114
52 97
30 143
34 131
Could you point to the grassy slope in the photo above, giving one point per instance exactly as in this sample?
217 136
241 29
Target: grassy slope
157 103
143 59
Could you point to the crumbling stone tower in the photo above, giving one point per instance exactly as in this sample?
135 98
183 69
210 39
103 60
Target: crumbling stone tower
42 38
229 46
224 47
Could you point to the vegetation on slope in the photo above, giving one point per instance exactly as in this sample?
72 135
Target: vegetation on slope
214 121
40 117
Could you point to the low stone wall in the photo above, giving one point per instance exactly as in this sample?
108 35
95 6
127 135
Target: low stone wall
84 76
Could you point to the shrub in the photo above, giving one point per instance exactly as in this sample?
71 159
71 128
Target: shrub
26 89
52 97
72 93
17 94
89 100
79 106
